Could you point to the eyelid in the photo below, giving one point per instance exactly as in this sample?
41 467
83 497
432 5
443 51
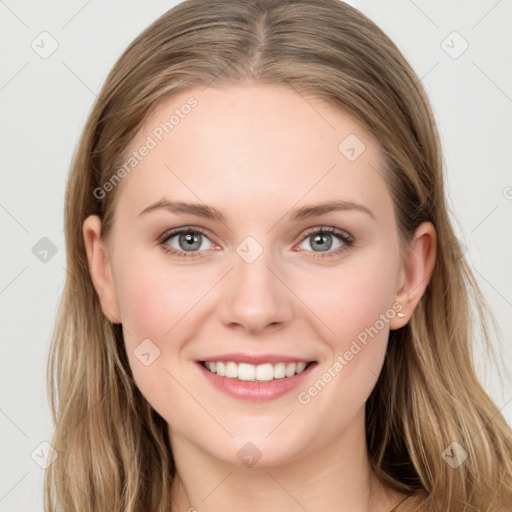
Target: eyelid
345 237
327 229
176 231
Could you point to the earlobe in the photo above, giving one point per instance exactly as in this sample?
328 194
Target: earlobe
99 268
417 268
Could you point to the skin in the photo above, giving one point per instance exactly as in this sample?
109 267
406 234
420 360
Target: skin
256 152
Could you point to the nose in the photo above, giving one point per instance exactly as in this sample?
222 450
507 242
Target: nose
255 296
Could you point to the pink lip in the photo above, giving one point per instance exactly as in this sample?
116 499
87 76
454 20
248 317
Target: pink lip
252 390
256 359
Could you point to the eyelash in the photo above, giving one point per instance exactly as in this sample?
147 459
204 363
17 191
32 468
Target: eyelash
343 236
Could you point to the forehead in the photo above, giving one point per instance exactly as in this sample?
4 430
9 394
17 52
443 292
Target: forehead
252 145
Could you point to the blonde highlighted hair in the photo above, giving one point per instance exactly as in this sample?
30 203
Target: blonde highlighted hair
113 449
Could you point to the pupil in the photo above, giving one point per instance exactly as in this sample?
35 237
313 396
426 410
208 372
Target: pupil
189 240
318 238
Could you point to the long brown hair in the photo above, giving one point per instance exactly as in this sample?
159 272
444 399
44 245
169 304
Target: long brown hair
113 450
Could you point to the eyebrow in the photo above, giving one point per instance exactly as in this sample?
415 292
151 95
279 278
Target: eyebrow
209 212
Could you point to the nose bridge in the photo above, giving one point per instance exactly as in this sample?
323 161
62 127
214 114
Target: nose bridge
255 297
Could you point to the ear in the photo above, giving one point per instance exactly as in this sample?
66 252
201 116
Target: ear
99 268
415 273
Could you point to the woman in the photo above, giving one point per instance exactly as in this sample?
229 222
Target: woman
266 306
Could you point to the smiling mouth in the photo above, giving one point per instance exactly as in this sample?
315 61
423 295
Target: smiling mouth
259 373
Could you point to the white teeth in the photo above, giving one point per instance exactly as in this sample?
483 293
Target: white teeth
300 367
264 372
290 369
279 370
261 372
246 371
231 370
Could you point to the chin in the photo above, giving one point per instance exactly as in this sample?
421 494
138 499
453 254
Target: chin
259 451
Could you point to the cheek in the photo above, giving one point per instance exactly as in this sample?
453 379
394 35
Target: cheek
352 298
145 305
355 309
356 305
153 297
159 302
154 305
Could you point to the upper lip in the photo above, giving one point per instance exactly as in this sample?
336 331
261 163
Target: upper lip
257 359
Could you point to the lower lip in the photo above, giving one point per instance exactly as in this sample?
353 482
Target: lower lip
256 391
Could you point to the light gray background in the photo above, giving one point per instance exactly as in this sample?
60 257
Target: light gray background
44 106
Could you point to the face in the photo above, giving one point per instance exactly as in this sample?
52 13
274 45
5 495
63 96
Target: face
267 280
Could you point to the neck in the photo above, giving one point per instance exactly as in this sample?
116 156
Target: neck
337 477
